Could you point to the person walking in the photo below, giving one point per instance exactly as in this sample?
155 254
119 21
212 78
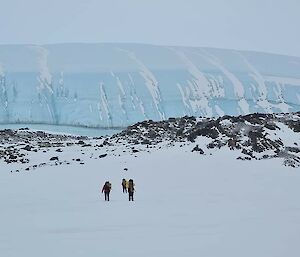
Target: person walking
106 190
131 189
124 185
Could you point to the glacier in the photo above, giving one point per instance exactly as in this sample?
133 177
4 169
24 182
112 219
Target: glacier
118 84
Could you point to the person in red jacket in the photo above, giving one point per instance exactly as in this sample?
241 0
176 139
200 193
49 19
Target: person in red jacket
106 190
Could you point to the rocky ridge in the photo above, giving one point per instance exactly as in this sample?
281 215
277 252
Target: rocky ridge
252 137
255 136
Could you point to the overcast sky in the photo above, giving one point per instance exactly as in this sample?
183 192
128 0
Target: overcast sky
263 25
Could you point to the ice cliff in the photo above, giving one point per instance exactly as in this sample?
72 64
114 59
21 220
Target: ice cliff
115 85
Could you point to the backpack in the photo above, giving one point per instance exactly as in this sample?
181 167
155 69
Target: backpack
131 186
107 187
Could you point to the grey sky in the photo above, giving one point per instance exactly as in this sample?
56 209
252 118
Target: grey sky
263 25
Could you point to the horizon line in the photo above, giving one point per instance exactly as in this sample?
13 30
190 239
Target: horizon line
146 44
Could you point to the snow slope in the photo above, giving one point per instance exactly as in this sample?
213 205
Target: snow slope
223 201
114 85
186 205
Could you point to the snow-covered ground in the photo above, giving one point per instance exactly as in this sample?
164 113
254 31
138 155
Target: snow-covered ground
186 204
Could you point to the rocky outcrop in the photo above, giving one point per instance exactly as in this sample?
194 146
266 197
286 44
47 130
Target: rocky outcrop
253 137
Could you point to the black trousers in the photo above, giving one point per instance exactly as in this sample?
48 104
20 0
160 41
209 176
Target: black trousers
106 196
130 196
124 189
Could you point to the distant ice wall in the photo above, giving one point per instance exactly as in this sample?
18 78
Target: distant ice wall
115 85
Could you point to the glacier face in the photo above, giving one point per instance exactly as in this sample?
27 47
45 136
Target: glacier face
115 85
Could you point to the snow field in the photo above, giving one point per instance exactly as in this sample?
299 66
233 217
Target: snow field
185 205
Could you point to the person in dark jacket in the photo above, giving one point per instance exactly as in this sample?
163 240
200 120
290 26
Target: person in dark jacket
106 190
131 189
124 185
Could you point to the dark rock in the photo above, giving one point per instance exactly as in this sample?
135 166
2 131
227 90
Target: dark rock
198 149
171 119
233 143
105 142
54 158
152 134
13 157
271 126
247 152
24 160
293 149
244 158
291 162
27 148
294 125
103 155
146 142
